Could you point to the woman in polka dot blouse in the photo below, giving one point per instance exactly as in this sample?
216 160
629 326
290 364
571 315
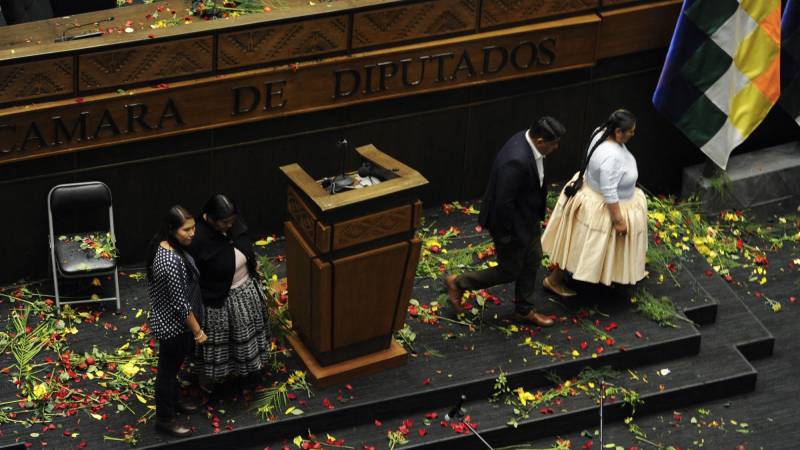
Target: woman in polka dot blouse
175 304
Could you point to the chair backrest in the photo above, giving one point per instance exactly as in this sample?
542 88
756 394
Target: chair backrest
80 207
89 195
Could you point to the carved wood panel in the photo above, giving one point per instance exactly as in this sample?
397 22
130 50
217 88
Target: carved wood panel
302 218
373 226
28 81
499 12
154 62
282 42
415 21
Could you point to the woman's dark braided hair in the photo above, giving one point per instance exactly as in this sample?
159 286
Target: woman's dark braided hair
170 224
621 119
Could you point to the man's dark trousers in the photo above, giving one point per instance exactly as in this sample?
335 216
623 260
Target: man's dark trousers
515 262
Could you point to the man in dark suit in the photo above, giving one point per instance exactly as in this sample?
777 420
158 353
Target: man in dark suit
513 207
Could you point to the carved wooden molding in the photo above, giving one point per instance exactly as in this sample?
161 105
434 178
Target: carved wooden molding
501 12
150 63
371 227
29 81
295 40
414 21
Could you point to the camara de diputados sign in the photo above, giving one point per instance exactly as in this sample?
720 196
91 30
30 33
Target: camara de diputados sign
106 119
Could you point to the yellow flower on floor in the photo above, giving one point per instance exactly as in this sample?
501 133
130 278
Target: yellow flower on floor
432 242
40 391
524 397
130 369
657 216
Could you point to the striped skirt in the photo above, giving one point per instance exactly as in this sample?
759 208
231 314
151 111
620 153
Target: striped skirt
238 336
580 238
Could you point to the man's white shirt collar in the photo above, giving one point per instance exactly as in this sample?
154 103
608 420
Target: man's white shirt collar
536 154
538 157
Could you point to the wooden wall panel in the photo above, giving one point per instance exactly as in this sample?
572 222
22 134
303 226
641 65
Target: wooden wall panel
357 292
321 309
414 21
502 12
150 63
289 41
637 28
408 283
29 81
299 267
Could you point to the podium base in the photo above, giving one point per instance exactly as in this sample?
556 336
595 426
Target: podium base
324 376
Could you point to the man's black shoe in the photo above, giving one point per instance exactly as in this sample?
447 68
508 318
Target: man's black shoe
173 428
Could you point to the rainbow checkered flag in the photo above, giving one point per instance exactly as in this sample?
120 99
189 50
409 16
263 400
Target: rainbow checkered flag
722 73
790 64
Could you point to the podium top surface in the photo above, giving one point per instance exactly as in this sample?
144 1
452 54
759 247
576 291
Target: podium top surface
37 39
407 178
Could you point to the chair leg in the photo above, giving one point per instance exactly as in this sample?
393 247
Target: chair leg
55 282
116 285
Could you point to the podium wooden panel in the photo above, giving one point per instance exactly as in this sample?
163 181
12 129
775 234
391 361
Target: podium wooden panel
351 260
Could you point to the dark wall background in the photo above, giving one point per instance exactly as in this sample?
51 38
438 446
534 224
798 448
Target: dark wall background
450 137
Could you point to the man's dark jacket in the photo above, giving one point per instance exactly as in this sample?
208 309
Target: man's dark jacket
213 253
514 203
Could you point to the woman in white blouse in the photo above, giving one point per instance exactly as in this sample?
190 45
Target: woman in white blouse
600 233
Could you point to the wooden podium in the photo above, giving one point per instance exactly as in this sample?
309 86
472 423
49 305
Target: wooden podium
351 261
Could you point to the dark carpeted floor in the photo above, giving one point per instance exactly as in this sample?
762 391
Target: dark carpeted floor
452 358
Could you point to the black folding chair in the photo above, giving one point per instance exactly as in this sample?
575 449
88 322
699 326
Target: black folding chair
70 260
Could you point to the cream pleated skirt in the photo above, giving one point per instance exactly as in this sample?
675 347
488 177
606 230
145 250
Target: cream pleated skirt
580 238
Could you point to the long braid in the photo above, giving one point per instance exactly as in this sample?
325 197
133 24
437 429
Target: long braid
619 119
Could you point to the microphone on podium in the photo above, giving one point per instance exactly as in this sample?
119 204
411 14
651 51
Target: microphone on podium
65 38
